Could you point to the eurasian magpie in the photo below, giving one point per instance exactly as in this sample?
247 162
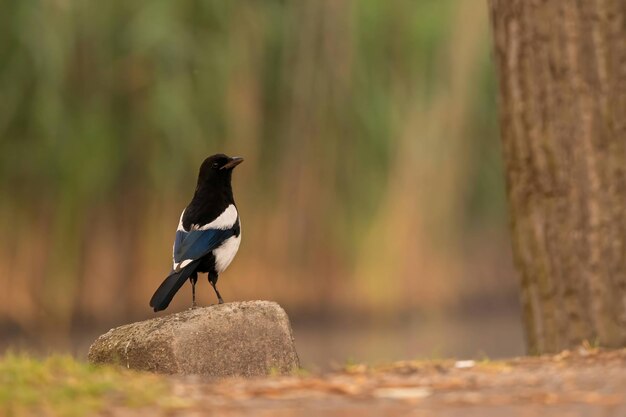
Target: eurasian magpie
208 233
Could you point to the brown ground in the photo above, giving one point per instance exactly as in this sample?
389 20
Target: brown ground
585 382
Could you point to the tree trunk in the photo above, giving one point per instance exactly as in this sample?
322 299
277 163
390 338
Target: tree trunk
562 70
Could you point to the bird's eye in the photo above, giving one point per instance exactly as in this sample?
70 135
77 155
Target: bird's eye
215 165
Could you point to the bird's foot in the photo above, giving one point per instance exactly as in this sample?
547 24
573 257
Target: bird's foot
220 301
193 305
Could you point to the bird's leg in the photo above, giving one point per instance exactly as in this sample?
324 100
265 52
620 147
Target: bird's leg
213 281
219 297
193 279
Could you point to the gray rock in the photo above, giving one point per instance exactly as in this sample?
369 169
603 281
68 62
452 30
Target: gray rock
249 338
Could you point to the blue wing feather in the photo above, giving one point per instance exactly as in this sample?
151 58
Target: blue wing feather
192 246
178 240
197 243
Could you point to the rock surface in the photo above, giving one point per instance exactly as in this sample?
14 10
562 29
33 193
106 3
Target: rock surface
250 338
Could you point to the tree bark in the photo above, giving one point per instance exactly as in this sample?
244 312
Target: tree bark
562 74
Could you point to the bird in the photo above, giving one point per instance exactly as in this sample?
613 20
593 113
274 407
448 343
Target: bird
208 233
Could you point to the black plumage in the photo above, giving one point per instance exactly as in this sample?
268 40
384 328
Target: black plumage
208 233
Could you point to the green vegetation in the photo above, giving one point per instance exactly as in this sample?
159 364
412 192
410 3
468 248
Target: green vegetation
368 128
62 386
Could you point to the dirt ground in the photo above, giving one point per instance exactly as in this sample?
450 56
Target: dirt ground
584 382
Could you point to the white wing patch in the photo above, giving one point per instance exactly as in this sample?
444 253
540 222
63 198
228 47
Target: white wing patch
180 227
225 253
181 265
224 221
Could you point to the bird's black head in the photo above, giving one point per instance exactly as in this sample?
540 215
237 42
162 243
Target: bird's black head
217 170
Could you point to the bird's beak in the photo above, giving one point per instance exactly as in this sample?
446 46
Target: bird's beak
234 161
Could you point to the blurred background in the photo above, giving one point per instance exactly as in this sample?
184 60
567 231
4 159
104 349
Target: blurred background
372 196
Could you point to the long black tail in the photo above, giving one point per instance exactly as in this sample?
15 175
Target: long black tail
170 286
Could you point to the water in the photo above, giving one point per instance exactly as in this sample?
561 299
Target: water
331 344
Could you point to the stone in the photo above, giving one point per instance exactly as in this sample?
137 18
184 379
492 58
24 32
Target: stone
250 338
